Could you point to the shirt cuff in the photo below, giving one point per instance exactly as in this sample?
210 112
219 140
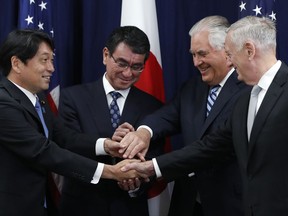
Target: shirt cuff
156 168
99 147
133 193
98 173
147 128
191 174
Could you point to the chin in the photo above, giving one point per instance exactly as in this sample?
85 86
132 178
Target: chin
44 88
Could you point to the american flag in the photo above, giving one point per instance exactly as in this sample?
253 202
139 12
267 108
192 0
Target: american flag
259 8
36 14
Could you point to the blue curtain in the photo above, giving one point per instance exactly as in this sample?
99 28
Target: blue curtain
82 26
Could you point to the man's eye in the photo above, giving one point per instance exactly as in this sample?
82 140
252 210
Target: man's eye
122 64
137 67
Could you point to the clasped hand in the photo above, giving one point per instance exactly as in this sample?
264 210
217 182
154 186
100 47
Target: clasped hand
128 143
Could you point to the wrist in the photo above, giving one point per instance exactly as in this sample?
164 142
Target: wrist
106 146
146 129
145 133
109 172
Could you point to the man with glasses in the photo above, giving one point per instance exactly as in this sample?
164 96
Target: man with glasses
87 108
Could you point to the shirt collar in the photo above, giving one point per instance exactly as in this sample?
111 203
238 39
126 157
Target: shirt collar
31 96
268 77
222 83
108 87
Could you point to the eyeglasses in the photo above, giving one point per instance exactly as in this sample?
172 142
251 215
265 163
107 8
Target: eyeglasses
124 65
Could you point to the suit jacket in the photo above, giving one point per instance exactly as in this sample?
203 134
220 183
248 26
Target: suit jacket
26 154
262 161
84 108
220 186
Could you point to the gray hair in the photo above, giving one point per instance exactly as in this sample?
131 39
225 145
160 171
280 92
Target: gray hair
216 26
260 30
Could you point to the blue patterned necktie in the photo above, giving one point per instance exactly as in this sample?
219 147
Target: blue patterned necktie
212 98
114 109
40 114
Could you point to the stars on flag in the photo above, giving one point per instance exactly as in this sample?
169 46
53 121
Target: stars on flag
42 5
37 8
242 6
257 8
272 16
29 20
41 26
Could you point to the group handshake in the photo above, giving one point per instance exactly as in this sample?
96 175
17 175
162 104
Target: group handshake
132 146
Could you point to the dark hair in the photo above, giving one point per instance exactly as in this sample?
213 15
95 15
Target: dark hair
132 36
21 43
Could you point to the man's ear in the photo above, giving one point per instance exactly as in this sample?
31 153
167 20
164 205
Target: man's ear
250 49
105 55
16 64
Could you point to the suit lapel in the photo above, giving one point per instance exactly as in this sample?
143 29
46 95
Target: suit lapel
19 96
98 102
241 127
228 91
131 108
274 92
198 113
101 118
24 101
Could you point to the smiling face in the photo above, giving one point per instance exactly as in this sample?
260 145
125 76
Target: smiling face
211 63
36 73
118 77
242 61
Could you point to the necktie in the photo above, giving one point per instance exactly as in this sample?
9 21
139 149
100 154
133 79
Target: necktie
38 109
212 98
252 108
114 109
40 114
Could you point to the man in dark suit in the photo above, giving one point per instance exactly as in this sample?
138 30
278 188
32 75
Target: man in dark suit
28 148
262 151
219 188
85 108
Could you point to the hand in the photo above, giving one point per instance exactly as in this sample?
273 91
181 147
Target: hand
115 172
130 184
112 148
144 169
121 131
135 143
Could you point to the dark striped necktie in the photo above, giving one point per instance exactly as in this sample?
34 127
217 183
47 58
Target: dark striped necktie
212 98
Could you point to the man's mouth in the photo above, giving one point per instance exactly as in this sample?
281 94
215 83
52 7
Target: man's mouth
47 77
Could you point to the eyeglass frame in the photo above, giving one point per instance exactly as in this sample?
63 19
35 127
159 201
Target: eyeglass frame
124 65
